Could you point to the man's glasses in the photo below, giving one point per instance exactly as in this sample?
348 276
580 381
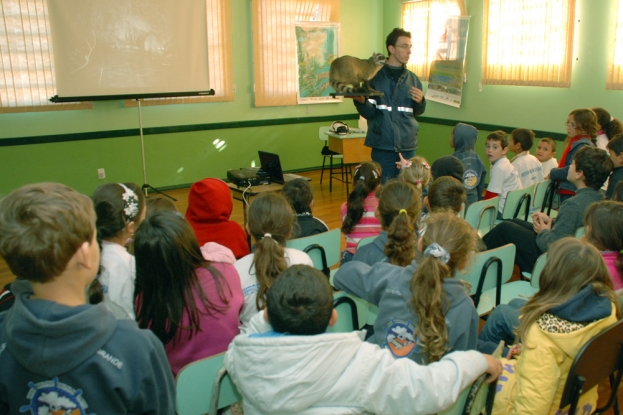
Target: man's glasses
405 46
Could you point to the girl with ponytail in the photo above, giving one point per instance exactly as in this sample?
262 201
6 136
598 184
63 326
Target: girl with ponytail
424 312
358 220
269 223
398 210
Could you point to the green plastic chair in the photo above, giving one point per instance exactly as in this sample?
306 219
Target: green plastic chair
486 274
539 197
524 289
580 232
481 215
193 397
365 241
322 248
517 201
478 398
347 313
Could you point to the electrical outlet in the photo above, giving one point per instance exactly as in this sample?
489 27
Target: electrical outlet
101 173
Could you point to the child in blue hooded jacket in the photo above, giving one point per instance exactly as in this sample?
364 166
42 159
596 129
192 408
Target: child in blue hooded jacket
463 140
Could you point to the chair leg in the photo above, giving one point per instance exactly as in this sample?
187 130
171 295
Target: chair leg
324 159
331 174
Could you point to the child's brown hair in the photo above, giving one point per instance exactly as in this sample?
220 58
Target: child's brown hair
551 142
41 227
418 173
446 193
499 136
523 136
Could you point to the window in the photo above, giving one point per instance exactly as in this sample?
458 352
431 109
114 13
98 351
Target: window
528 42
26 63
274 45
27 77
426 21
614 78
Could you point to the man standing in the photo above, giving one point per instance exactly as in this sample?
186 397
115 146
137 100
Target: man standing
392 127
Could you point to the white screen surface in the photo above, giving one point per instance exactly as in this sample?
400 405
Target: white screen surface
129 47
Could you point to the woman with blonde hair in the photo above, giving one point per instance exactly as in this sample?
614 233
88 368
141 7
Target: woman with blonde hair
424 312
270 221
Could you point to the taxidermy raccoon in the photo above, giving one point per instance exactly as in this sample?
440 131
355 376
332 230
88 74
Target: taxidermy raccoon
347 72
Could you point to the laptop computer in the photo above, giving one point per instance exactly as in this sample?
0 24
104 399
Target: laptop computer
272 165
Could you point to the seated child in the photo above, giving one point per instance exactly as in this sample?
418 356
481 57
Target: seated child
358 218
615 150
528 167
59 354
120 208
546 154
504 176
415 171
299 194
398 211
575 302
448 166
204 299
209 208
608 127
445 194
155 204
463 140
588 171
285 362
269 223
424 313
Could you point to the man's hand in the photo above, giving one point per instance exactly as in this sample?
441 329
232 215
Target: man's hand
416 94
360 99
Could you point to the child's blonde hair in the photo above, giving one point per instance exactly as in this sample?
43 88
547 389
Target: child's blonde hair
447 245
571 265
418 173
399 208
270 220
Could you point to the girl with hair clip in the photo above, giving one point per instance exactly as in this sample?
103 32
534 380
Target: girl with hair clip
358 218
203 299
415 171
398 210
120 208
424 312
608 127
603 226
582 129
270 221
575 302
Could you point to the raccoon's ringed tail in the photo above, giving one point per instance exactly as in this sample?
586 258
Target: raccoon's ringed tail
341 87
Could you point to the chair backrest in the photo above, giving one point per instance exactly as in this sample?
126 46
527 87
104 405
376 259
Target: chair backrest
365 241
194 387
518 201
600 357
323 248
347 318
539 195
538 268
322 132
579 232
548 199
482 275
481 215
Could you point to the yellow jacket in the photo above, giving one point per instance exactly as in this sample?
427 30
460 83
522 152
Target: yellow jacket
533 384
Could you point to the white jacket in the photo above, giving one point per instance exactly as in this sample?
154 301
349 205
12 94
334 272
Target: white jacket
339 373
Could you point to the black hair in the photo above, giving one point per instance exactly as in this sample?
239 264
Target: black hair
616 144
299 194
595 164
392 38
366 178
300 301
446 193
610 125
499 135
617 195
157 204
167 259
523 136
110 206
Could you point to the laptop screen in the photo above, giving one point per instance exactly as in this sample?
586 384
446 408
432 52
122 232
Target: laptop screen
271 164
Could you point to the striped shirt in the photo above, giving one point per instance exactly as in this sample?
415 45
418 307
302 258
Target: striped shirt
367 226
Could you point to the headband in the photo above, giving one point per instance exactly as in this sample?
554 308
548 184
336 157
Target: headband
130 203
438 252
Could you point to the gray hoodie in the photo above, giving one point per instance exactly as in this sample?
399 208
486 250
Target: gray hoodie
387 287
59 358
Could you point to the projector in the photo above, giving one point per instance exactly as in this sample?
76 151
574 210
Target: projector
247 177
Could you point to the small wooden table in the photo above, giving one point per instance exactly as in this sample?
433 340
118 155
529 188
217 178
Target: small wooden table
352 148
246 195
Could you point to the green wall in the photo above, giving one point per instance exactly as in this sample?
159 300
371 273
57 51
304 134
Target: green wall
182 150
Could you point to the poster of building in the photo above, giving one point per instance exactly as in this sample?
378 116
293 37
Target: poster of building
317 46
445 83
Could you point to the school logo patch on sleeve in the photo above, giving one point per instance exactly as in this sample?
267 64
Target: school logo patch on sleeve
54 397
400 338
